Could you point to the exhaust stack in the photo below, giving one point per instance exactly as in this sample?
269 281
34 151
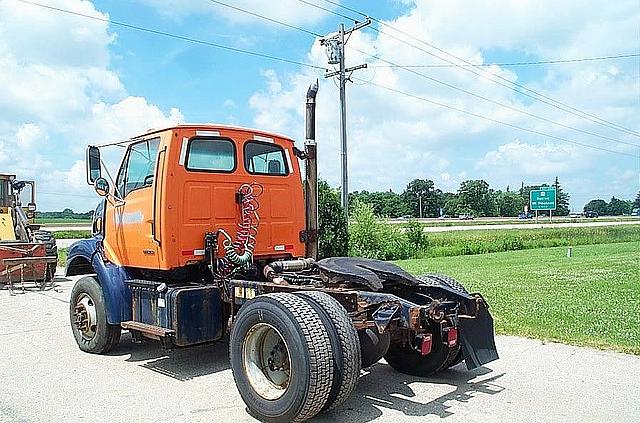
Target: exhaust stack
311 173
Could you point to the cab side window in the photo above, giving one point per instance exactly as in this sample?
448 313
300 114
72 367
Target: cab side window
138 168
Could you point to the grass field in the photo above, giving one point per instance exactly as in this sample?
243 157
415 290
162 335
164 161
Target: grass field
62 221
592 298
62 256
455 243
72 234
541 219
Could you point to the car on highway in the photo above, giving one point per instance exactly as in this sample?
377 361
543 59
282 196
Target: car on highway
590 214
466 216
525 216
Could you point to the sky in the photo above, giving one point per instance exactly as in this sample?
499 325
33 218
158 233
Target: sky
68 81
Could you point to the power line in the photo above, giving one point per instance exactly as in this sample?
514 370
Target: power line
544 119
558 104
175 36
194 40
514 64
533 131
257 15
278 22
326 9
506 106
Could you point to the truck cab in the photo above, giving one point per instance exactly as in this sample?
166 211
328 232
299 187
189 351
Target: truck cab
176 184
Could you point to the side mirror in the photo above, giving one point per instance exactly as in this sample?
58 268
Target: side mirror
101 186
94 170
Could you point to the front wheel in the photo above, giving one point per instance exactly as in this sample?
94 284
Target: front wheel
281 358
88 315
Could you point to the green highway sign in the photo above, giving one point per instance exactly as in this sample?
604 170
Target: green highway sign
542 199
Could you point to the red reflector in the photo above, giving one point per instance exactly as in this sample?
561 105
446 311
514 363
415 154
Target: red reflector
288 247
452 337
187 252
425 347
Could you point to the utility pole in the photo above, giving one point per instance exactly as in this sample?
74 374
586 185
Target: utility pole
420 205
335 52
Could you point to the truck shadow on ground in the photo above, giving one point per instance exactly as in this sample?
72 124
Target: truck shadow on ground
382 387
182 364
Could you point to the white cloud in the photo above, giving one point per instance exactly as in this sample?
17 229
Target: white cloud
395 138
535 160
59 94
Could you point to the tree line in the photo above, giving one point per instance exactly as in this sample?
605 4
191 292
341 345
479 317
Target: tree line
421 198
64 214
615 207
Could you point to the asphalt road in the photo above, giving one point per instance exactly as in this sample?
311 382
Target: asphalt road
46 378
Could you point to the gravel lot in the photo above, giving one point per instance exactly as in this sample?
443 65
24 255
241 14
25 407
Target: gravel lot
46 378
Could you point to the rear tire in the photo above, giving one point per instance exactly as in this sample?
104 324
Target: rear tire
407 360
452 283
281 358
88 316
344 342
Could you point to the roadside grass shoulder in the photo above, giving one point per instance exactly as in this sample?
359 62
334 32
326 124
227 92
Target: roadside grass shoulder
524 222
71 234
590 299
62 221
455 243
62 256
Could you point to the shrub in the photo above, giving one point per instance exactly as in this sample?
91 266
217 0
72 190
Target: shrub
370 237
332 226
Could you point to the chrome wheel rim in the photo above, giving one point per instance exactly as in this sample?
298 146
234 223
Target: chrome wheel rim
266 361
85 318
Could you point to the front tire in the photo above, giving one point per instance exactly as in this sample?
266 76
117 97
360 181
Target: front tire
88 316
281 358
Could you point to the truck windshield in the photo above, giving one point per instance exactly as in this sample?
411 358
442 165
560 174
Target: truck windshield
139 167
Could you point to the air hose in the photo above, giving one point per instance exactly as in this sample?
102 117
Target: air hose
239 253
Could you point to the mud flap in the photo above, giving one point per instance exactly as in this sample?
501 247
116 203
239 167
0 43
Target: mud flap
478 342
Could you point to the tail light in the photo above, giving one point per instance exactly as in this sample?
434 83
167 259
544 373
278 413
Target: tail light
452 337
425 344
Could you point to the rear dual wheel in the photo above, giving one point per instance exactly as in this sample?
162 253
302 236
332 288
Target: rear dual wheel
344 343
293 356
405 359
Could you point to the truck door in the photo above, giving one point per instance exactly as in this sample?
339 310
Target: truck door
129 229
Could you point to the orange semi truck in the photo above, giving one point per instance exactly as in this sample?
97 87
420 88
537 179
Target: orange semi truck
207 231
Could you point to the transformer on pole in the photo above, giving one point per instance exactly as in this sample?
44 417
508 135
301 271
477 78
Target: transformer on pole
336 56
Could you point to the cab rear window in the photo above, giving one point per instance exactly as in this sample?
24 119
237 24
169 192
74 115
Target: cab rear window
263 158
211 155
